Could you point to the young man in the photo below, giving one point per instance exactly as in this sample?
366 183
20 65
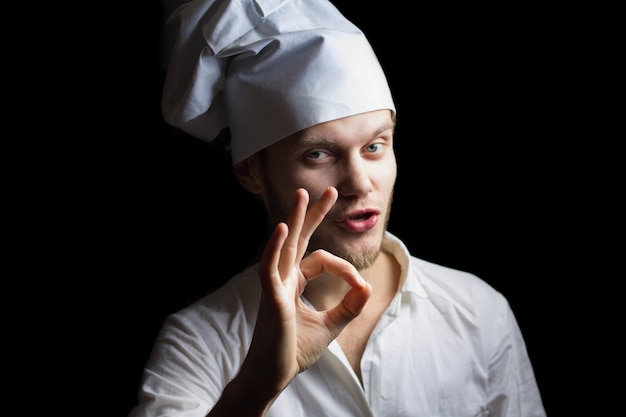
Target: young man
337 318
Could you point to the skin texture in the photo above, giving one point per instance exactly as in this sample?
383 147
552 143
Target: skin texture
330 211
355 155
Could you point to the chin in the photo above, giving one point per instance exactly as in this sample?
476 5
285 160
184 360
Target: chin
364 260
361 252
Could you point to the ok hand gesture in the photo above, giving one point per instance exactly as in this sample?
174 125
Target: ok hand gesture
289 336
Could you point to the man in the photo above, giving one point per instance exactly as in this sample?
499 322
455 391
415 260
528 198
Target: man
337 318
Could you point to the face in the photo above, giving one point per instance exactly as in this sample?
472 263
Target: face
355 155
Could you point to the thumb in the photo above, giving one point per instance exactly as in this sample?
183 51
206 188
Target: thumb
351 305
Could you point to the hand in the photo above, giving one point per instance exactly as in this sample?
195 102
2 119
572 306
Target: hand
289 336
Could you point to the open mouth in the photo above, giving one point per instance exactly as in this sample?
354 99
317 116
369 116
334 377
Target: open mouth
361 216
361 221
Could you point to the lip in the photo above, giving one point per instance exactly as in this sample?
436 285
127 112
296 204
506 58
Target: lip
360 220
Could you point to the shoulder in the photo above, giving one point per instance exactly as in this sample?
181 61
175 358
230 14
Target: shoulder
465 298
452 279
429 279
459 287
233 305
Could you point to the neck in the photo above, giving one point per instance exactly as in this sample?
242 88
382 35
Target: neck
327 290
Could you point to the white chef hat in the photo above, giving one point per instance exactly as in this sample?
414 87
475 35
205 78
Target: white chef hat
266 69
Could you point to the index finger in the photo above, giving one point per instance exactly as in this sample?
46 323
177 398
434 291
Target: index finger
290 252
314 216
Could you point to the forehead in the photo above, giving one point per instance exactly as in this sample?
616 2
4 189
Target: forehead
352 129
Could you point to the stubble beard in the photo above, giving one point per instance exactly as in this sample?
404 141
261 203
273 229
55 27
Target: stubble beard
362 260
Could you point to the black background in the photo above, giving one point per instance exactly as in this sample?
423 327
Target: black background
155 219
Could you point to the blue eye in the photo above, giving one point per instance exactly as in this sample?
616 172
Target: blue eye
374 147
316 154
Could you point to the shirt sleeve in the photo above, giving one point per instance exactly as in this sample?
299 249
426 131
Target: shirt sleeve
183 376
513 391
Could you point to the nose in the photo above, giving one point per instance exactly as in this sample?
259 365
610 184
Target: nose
355 181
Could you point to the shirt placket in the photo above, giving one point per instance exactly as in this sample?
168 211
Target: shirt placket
374 360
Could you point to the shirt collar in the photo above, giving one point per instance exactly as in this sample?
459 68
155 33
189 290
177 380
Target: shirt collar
409 281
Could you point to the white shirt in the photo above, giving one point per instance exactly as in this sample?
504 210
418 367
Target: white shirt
448 345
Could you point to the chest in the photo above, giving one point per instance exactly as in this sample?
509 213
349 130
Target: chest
405 371
353 339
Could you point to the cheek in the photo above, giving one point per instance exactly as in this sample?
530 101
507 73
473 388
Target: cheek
281 186
316 185
386 176
288 179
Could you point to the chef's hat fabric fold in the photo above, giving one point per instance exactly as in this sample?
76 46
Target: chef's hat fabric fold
266 69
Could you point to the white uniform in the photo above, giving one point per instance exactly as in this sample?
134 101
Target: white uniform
448 345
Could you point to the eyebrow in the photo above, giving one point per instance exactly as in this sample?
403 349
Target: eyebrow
331 141
316 140
387 126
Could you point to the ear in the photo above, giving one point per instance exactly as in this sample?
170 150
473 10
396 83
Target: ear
248 174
